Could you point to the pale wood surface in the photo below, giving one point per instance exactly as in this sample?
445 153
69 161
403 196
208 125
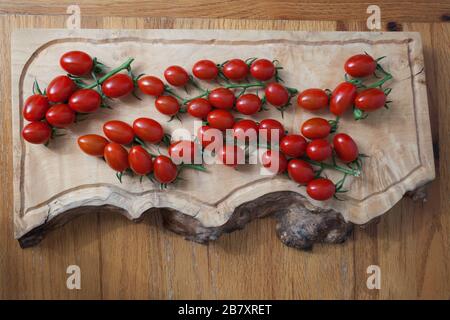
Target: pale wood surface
411 243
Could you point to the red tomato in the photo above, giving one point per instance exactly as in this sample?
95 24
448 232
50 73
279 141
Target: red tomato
319 150
276 162
140 161
245 130
321 189
92 144
345 147
60 116
220 119
248 104
167 105
183 151
35 107
360 65
151 86
199 108
118 85
312 99
276 94
37 132
60 89
222 98
231 155
370 99
316 128
300 171
148 130
272 126
262 69
164 170
116 157
342 98
205 70
205 135
77 63
176 76
235 69
85 101
118 131
293 145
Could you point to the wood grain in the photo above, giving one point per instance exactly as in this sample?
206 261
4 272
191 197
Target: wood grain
411 243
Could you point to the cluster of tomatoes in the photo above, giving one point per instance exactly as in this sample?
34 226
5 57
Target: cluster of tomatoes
346 95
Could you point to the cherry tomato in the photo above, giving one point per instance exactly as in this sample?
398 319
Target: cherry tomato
276 94
321 189
360 65
235 69
312 99
118 85
319 150
176 76
370 99
300 171
60 116
205 135
205 70
293 145
148 130
77 63
118 131
199 108
37 132
60 89
151 86
85 101
220 119
140 161
231 155
272 126
35 107
92 144
245 130
316 128
222 98
248 104
345 147
116 156
276 162
183 151
164 170
262 69
342 98
167 105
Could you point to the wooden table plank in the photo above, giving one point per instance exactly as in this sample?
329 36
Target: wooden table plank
411 243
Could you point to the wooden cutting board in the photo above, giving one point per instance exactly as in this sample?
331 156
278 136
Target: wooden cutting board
51 185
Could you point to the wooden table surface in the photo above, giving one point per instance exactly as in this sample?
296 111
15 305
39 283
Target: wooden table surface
121 259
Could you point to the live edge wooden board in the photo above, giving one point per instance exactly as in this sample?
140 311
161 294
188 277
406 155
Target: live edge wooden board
54 184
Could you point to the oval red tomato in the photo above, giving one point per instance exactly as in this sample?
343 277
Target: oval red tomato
60 116
85 101
248 104
276 162
151 86
231 155
276 94
60 89
370 99
342 98
199 108
205 135
293 145
220 119
262 69
78 63
235 69
184 151
222 98
116 157
37 132
205 70
313 99
245 130
319 150
148 130
164 170
118 85
35 107
176 76
269 128
140 161
360 65
345 147
118 131
316 128
321 189
92 144
300 171
167 105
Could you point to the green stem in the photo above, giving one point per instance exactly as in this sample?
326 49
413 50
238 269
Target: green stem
244 85
204 94
123 66
379 83
323 165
